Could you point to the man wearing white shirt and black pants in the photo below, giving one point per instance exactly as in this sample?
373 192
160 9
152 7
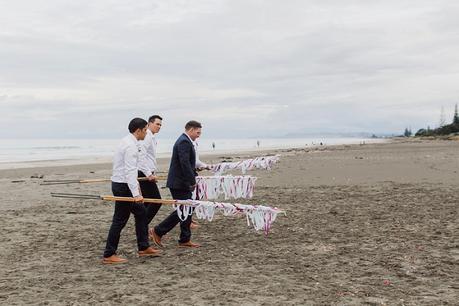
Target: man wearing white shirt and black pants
148 166
125 184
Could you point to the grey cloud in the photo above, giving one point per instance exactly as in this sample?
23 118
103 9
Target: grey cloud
313 65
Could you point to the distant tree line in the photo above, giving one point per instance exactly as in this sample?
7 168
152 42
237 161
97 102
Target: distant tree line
407 132
447 129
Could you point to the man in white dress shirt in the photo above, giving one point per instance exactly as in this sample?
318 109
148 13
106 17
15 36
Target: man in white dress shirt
125 184
148 166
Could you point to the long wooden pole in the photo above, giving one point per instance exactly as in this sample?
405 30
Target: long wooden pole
145 200
88 181
122 199
110 198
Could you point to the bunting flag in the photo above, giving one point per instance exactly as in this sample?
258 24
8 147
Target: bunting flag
258 216
231 187
263 162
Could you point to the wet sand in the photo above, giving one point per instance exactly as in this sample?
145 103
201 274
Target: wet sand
374 224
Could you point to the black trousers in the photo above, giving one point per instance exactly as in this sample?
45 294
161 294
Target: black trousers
172 220
121 216
150 190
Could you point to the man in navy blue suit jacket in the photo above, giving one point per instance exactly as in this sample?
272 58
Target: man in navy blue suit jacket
181 181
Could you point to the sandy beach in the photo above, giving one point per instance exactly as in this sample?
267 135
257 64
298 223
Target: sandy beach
373 224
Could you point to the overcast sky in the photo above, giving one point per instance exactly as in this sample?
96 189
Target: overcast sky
243 68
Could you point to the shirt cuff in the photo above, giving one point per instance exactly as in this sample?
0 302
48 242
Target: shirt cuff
135 193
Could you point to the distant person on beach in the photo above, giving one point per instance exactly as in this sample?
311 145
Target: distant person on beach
181 182
258 143
148 167
125 184
213 145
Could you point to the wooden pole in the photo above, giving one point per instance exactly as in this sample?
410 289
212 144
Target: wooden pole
161 178
145 200
124 199
88 181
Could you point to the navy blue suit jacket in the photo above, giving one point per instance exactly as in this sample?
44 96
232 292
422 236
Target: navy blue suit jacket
182 174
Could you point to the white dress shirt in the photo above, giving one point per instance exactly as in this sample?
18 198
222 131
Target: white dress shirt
147 158
125 163
199 163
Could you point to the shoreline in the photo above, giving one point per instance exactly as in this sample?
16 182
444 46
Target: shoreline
47 167
96 159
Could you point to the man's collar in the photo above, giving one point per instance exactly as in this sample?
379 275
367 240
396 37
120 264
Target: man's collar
188 137
133 137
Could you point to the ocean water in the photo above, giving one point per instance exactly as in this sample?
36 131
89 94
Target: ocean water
32 150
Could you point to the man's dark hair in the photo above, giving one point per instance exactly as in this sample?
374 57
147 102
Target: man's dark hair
136 123
154 117
192 124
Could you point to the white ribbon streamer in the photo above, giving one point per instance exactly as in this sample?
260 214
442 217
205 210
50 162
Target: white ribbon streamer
258 216
263 162
231 187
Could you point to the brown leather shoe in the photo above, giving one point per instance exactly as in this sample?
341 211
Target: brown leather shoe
194 225
155 238
149 252
113 260
188 244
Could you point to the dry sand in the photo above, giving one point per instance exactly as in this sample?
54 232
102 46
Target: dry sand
374 224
